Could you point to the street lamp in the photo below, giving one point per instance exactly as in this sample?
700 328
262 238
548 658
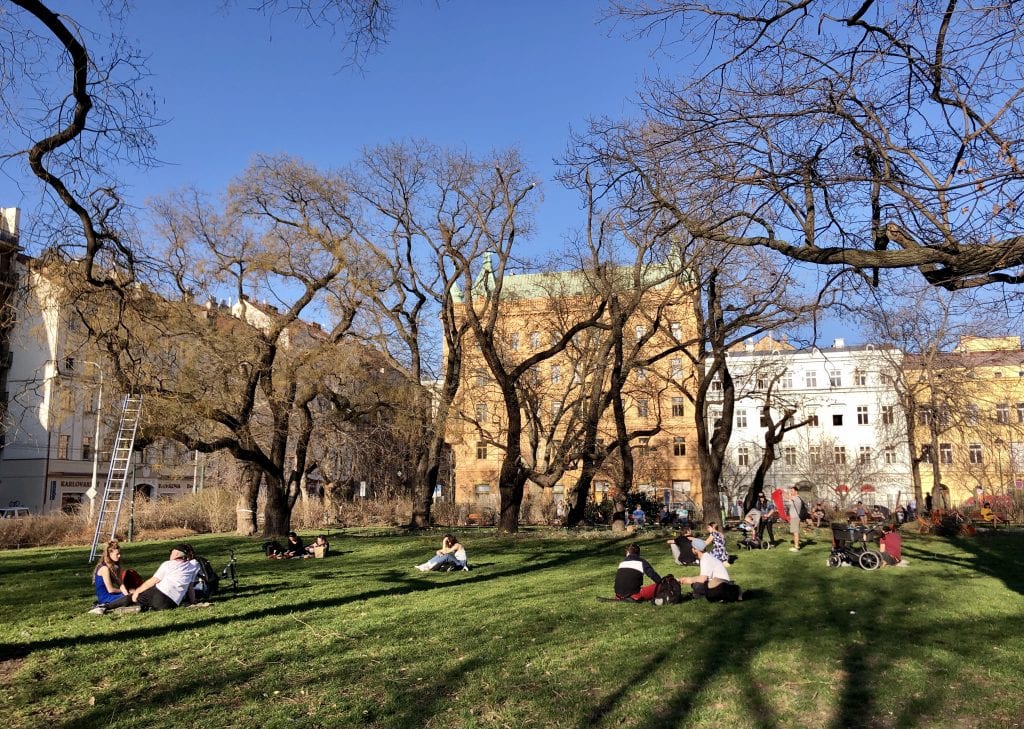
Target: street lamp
91 493
999 464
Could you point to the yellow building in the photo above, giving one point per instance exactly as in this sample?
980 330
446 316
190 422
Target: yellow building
970 418
558 392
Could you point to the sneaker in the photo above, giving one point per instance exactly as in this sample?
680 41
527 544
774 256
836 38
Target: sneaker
465 568
794 549
127 609
98 610
200 604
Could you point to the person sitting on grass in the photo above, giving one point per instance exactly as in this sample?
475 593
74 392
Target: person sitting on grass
319 543
171 584
294 547
717 540
451 553
682 552
713 582
113 583
629 578
891 546
818 515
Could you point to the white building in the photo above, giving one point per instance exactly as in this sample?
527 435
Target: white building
853 445
51 398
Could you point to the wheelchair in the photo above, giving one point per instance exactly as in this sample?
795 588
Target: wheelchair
850 547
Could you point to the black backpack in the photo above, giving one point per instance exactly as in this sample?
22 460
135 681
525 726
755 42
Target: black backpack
207 581
669 592
804 514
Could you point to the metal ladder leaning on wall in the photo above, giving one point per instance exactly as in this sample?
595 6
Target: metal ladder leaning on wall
117 476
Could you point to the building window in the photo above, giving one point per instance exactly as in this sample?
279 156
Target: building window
62 446
676 329
642 444
513 344
760 383
942 415
716 418
924 416
69 364
835 378
741 418
534 376
764 419
946 453
641 374
811 378
837 419
864 455
481 450
639 331
556 374
812 420
973 414
742 456
1003 413
862 415
482 489
86 448
481 377
535 340
1020 412
679 446
839 455
888 414
861 377
556 408
789 455
678 407
889 455
481 412
676 369
786 383
642 408
815 454
926 454
716 384
974 454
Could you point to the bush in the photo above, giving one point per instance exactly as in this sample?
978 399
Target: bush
44 530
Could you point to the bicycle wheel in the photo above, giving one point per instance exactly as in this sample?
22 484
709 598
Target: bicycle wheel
870 560
834 560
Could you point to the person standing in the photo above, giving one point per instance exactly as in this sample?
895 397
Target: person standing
795 507
768 517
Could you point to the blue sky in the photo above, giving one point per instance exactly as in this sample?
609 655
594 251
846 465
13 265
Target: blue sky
478 74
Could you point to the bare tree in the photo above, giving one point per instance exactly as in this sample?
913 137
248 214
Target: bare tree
868 135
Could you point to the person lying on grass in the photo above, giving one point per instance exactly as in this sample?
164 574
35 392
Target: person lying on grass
451 553
713 582
629 578
113 583
171 584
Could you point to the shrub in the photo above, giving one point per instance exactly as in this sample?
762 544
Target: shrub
47 529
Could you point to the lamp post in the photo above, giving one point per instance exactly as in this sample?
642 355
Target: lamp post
91 493
999 464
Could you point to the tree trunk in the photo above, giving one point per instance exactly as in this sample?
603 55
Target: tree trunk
510 484
246 521
276 509
580 494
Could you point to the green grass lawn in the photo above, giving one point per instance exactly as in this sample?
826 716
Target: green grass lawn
362 639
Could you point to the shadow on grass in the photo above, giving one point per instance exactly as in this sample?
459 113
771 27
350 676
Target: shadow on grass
404 584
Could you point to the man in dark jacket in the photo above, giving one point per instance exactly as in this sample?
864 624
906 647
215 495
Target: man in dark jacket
629 579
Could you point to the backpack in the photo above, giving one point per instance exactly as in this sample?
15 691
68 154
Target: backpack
207 580
804 514
669 592
272 549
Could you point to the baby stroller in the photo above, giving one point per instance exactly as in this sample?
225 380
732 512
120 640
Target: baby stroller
749 538
850 547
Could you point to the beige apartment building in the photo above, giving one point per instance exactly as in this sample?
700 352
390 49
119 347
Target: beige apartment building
534 311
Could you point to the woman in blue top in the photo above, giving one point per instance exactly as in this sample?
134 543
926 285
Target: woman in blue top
113 583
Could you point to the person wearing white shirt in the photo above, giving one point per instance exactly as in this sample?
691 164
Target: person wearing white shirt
171 584
713 582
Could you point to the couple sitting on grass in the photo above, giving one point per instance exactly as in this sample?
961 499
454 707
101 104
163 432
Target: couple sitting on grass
451 556
124 591
712 583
